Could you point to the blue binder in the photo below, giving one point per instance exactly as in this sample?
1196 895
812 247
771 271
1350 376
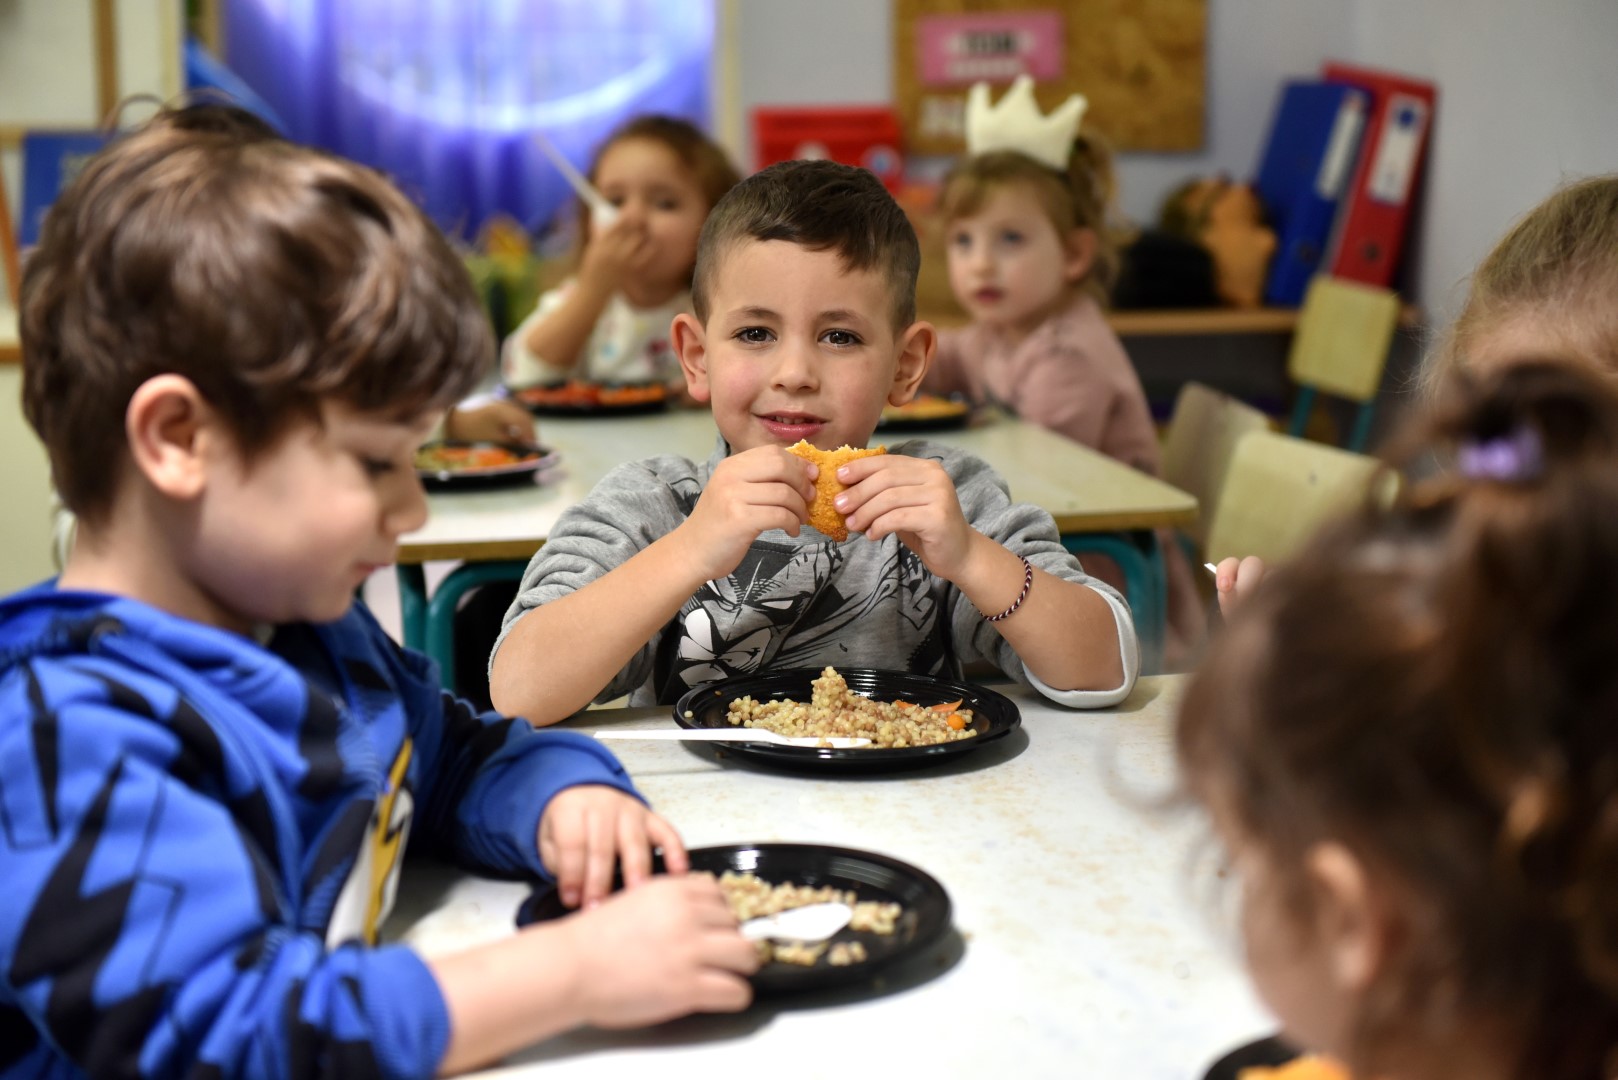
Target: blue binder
1307 164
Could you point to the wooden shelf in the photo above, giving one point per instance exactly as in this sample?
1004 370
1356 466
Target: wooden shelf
1188 322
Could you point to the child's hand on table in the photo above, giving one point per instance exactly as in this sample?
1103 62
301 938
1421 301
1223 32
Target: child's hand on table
496 421
1235 579
913 497
758 489
666 949
588 830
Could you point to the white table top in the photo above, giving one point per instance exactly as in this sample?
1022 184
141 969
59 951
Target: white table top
1084 490
1087 941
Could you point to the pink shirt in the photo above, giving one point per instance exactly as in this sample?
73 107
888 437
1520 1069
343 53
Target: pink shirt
1071 375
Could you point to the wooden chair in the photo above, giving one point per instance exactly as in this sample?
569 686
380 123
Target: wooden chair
1341 346
1279 490
1201 438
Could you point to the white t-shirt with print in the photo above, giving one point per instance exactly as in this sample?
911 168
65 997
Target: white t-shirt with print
628 344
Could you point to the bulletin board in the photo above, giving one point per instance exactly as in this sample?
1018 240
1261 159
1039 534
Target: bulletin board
1142 65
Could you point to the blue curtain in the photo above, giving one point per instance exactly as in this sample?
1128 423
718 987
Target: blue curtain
445 95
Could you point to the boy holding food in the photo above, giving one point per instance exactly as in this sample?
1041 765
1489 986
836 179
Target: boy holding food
673 573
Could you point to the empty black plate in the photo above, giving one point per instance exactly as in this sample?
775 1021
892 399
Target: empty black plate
1264 1053
994 716
868 875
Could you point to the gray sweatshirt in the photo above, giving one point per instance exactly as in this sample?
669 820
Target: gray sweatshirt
806 601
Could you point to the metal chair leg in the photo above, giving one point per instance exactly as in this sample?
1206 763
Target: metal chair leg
440 618
1145 588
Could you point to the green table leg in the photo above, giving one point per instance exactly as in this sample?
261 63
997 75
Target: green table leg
413 603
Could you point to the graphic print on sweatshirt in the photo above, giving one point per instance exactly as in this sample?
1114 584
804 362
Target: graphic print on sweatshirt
791 606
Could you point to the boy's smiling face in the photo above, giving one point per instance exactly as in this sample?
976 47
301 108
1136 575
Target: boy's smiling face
798 346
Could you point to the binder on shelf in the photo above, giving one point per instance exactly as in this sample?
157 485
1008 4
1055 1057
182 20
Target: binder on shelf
1308 159
1376 212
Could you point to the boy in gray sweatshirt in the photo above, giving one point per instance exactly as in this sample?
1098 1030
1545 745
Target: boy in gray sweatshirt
672 573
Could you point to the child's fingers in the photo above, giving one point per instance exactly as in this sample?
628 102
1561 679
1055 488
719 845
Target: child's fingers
663 835
634 850
569 868
1249 573
600 857
721 992
859 470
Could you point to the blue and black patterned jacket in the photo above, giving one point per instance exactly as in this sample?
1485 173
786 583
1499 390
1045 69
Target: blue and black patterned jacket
199 836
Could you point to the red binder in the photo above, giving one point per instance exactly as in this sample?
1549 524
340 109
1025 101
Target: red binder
1375 216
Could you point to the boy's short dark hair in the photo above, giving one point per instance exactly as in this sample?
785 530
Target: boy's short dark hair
822 206
271 275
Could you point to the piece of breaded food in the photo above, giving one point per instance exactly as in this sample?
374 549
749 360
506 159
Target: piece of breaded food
823 515
1308 1067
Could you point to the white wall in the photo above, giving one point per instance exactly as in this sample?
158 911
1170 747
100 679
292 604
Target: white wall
1529 94
47 79
1528 98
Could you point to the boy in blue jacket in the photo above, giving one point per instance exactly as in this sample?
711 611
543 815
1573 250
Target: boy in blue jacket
210 760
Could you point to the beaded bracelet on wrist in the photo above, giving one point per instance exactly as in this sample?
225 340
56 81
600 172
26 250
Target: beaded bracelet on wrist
1027 583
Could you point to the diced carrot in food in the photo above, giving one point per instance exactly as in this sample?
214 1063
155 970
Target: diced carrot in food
956 721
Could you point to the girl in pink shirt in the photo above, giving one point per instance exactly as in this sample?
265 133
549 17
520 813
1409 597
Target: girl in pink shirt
1030 261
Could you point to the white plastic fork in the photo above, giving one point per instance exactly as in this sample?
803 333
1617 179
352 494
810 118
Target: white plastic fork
812 922
741 734
602 212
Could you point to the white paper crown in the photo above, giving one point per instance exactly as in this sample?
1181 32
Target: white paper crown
1017 124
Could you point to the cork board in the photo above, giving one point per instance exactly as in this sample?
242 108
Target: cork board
1141 63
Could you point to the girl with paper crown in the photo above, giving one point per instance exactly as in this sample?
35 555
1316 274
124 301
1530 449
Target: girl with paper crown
1025 229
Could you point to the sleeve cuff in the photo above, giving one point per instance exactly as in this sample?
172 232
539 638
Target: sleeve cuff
1128 648
519 790
409 1016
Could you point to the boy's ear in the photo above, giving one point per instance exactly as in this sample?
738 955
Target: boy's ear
170 427
1352 920
691 345
1080 254
916 347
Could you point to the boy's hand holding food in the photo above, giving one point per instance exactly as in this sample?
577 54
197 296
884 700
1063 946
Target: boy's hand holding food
913 498
749 493
588 831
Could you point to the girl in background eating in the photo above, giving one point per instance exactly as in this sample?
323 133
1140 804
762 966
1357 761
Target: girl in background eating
1406 742
609 322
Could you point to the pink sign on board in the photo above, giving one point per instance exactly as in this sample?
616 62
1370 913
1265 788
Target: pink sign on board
957 49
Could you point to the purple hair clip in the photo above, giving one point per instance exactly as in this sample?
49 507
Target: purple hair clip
1510 458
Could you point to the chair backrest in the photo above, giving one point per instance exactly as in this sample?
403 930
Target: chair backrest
1278 492
1201 438
1344 332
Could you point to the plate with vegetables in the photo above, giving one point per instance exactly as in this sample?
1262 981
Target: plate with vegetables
913 721
926 412
581 397
454 464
